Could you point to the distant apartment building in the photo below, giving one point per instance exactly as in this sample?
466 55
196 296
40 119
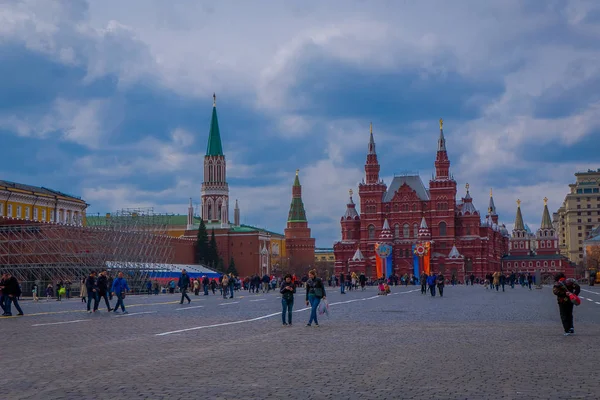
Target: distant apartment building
579 214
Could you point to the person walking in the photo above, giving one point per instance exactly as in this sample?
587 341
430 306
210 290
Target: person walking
502 281
342 284
83 290
205 284
92 291
431 281
562 288
423 281
102 291
287 299
11 291
440 284
183 284
315 291
34 292
119 289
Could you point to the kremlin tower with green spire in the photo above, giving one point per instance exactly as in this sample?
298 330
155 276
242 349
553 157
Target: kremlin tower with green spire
300 247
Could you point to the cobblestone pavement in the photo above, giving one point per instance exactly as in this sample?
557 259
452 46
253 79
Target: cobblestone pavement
471 344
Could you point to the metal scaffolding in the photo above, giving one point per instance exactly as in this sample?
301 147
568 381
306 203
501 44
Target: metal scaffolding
133 241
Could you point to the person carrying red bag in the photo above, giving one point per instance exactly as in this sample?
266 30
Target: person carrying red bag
566 292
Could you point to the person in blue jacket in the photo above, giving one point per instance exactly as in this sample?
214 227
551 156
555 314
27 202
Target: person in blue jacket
119 288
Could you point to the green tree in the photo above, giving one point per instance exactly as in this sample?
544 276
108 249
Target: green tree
221 265
213 251
202 252
231 269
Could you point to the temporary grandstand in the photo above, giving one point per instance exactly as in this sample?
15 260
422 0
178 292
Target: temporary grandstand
164 272
131 240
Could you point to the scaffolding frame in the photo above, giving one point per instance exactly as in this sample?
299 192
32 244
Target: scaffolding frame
133 241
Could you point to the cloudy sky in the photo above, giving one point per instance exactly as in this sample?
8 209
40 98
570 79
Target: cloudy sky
111 99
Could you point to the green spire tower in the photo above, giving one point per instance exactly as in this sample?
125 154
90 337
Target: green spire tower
297 213
546 220
214 147
519 225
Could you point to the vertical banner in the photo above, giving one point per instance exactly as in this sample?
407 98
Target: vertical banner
388 266
378 262
416 269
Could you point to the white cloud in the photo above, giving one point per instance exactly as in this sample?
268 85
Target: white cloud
75 121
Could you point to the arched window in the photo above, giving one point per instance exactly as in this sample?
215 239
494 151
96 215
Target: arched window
414 207
508 264
407 253
545 263
442 229
404 207
211 173
543 244
209 211
416 230
397 231
406 231
371 232
553 264
537 264
468 229
548 244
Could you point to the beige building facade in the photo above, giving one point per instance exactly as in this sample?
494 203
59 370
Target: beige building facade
579 214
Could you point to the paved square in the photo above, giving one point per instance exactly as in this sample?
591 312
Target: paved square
471 344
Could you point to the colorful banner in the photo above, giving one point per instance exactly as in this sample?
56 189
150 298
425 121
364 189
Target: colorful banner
383 260
416 264
422 251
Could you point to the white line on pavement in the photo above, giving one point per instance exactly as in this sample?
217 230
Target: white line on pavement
187 308
258 300
598 302
589 291
589 300
136 313
216 325
257 318
65 322
233 302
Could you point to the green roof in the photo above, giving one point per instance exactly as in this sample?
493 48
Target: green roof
101 220
214 147
261 229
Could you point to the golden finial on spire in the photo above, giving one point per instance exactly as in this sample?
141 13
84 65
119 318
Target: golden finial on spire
441 124
371 128
518 202
545 201
490 192
214 100
467 187
350 192
297 171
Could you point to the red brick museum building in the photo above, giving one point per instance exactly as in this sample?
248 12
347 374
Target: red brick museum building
462 242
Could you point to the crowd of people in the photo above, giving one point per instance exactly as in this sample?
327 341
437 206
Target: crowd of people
102 286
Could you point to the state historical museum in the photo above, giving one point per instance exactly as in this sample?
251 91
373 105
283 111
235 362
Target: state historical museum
407 228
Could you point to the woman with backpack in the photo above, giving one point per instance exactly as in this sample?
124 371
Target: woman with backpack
315 291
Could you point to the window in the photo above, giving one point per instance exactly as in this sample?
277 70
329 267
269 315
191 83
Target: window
371 232
537 264
396 207
19 215
9 210
35 214
468 229
43 214
407 253
416 230
404 207
414 207
543 244
396 231
553 264
26 212
406 231
442 229
1 209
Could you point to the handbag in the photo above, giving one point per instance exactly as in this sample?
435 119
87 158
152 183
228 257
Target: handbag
572 296
122 295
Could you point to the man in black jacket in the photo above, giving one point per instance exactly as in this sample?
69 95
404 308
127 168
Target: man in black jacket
11 291
342 284
205 283
92 290
184 283
102 286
